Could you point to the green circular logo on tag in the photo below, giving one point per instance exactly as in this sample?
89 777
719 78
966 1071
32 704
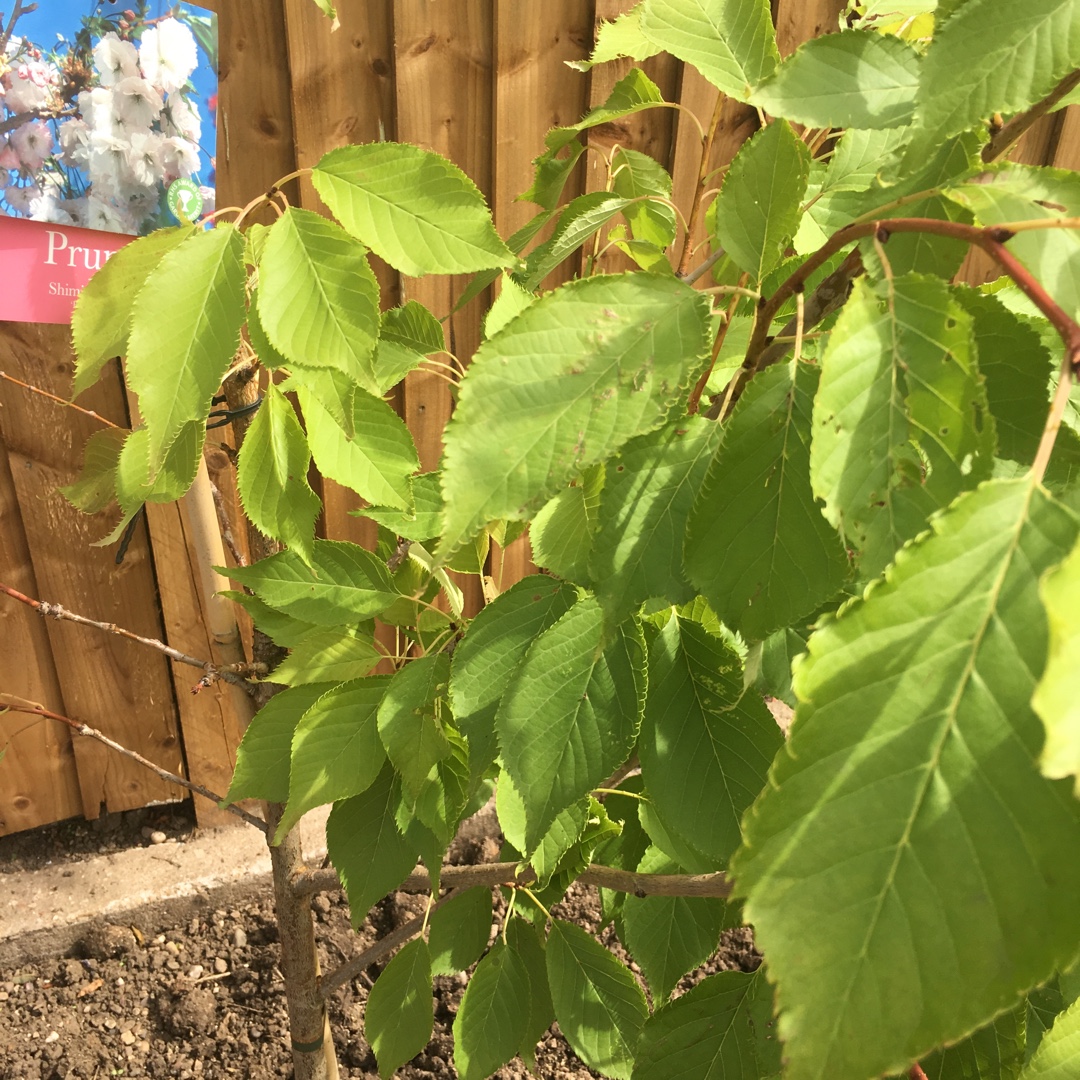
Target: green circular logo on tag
184 200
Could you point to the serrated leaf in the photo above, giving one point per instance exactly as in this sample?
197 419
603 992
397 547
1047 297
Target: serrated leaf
440 801
1056 699
458 933
669 935
570 715
493 1016
95 487
994 1052
562 532
282 629
101 319
1058 1056
564 833
722 1027
992 57
423 521
758 208
368 851
413 208
632 93
901 424
376 461
731 42
495 644
572 378
343 583
409 719
400 1010
271 475
512 300
648 491
523 940
854 79
175 476
621 37
264 753
706 744
908 792
756 545
408 335
185 327
635 175
336 752
599 1006
318 299
336 654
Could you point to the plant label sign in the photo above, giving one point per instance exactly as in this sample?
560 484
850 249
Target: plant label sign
105 119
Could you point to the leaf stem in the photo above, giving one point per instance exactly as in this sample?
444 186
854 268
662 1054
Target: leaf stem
1053 420
703 172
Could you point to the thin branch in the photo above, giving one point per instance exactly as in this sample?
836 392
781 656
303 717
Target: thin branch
226 528
59 400
6 703
489 875
1004 140
703 172
721 335
704 268
361 962
1053 420
234 673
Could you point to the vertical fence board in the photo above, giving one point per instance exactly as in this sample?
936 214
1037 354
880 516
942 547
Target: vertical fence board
800 20
39 781
115 685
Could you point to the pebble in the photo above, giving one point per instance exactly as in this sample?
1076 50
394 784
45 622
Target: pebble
127 1038
239 938
158 837
195 972
53 1036
220 967
143 1047
172 947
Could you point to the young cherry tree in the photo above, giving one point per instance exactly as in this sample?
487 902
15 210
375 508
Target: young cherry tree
803 465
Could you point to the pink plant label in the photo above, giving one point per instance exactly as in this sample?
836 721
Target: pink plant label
46 266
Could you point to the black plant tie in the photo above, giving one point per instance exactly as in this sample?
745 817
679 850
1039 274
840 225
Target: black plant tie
221 417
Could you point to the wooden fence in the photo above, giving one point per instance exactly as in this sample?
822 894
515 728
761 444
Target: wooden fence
480 81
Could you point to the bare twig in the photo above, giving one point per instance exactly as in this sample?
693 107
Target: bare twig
237 674
699 193
361 962
721 335
489 875
1011 133
225 527
693 275
15 705
53 397
1053 420
17 12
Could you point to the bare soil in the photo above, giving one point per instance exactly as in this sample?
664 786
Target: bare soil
206 999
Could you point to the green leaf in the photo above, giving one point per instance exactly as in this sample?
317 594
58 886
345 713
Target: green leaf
495 644
413 208
564 833
370 854
336 751
268 356
409 334
177 472
634 176
756 545
573 377
758 208
1058 1056
493 1016
523 940
318 298
271 475
264 753
458 933
570 715
632 93
440 801
344 583
705 744
669 935
101 319
423 521
649 489
991 57
410 719
280 628
722 1027
901 424
400 1012
95 489
621 37
1056 699
511 301
908 792
185 327
599 1006
731 42
376 461
327 8
994 1052
336 654
562 532
854 79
